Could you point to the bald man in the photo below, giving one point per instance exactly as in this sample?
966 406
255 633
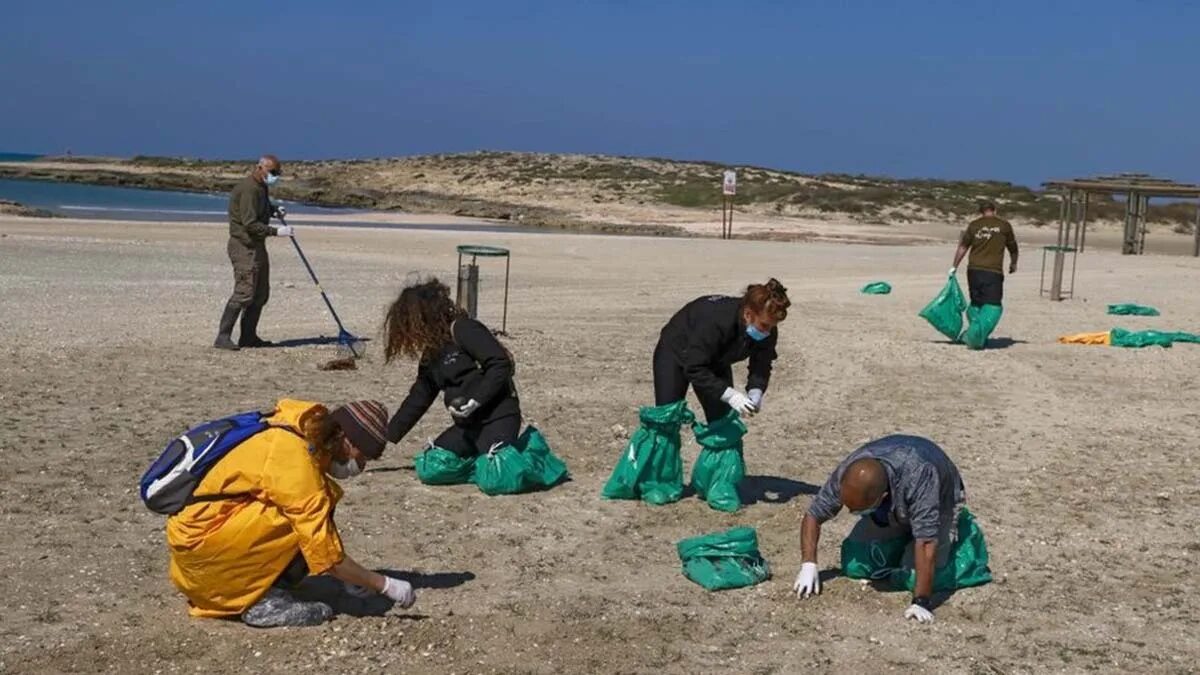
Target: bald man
250 212
897 485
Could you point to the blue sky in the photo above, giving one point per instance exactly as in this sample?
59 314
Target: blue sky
1018 91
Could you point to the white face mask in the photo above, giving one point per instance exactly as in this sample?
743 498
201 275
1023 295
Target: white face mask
344 470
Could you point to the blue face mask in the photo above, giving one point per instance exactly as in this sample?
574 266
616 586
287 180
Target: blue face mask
272 179
756 334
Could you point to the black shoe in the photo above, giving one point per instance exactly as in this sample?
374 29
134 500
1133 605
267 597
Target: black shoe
226 342
254 342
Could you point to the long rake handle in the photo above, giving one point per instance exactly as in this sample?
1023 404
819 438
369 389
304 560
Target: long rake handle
311 273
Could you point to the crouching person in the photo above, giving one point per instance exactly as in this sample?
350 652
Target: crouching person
261 519
460 359
913 530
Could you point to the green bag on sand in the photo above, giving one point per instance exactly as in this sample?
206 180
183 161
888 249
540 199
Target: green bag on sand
1119 337
1130 309
945 311
981 321
967 564
721 465
650 468
877 288
439 466
530 465
724 560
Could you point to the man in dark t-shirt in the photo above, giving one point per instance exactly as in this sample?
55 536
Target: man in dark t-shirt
986 238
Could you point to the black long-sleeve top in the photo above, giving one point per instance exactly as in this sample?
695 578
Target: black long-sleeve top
474 365
710 331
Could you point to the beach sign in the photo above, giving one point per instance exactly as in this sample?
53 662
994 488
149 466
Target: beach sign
729 185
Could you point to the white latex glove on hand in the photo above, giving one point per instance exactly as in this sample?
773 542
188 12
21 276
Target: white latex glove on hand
400 592
953 271
465 411
808 582
738 401
919 613
283 231
755 396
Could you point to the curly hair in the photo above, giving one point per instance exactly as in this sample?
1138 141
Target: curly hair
321 432
769 298
418 322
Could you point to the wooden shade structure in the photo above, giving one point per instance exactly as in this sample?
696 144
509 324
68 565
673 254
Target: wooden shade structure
1138 189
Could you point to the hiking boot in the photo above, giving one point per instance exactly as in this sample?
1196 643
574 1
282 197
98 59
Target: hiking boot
280 608
225 329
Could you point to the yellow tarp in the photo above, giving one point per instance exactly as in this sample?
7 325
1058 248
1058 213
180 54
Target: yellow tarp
1087 339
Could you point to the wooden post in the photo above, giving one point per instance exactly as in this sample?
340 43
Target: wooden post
1056 275
1196 233
728 191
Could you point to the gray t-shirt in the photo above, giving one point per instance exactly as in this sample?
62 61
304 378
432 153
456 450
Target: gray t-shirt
925 487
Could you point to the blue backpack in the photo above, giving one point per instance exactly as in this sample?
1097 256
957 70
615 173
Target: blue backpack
168 485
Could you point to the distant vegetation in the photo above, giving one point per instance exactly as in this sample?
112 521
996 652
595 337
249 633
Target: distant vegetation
546 188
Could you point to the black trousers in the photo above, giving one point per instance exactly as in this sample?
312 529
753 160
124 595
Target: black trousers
671 384
476 439
986 287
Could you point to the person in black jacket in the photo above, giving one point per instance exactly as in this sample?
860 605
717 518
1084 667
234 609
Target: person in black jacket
699 345
459 358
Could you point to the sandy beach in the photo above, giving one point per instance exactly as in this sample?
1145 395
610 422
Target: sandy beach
1080 462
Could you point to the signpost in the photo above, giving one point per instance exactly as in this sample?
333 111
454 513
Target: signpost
728 191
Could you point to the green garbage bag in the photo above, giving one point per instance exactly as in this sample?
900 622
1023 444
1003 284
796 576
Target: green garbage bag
1119 337
721 465
724 560
530 465
981 321
885 559
945 311
877 288
439 466
1130 309
870 558
650 468
967 565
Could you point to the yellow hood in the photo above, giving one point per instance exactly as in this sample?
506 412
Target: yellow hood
292 414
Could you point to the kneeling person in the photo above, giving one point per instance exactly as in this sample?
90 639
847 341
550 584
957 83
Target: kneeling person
896 485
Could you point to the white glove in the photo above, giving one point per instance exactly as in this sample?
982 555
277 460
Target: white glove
401 592
738 401
280 211
283 231
919 613
465 411
755 396
808 582
953 271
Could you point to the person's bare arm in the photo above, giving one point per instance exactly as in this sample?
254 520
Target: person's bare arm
353 573
810 534
960 254
1013 250
924 558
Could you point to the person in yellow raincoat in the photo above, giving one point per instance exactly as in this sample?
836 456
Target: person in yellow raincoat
261 519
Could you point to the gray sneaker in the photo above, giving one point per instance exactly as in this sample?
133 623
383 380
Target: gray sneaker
280 608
